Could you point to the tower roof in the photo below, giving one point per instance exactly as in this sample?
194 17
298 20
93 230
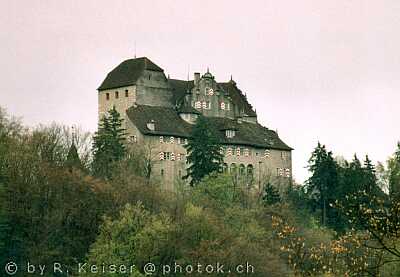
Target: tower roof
128 72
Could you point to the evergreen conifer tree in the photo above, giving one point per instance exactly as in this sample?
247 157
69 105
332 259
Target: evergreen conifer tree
323 183
271 195
370 180
204 156
108 144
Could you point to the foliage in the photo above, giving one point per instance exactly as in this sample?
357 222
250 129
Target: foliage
204 156
321 184
108 144
53 210
345 256
271 195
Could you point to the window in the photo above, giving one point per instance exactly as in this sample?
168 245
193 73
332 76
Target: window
221 150
242 169
198 105
233 168
225 168
172 156
126 93
180 173
204 105
178 156
116 95
287 172
107 96
208 105
167 155
161 156
209 91
284 155
161 139
133 138
238 151
266 153
179 141
222 106
162 172
229 151
186 141
171 140
230 133
250 170
246 152
279 172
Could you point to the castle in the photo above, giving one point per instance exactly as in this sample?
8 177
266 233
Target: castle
159 113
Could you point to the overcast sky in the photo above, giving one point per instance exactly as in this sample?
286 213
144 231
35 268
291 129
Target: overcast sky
314 70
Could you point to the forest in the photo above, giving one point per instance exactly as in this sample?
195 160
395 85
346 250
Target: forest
85 200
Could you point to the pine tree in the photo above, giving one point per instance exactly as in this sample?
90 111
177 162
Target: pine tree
108 144
204 156
394 173
271 195
323 183
370 180
73 160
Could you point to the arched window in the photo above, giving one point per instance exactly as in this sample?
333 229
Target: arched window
225 168
233 168
242 169
250 170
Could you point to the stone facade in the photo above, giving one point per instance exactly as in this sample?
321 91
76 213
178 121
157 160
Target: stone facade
159 112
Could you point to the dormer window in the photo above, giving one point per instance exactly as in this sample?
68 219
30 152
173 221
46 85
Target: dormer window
230 133
151 126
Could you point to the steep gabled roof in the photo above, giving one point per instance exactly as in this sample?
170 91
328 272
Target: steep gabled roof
237 97
128 72
167 122
179 89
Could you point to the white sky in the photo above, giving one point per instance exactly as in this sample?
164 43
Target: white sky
314 70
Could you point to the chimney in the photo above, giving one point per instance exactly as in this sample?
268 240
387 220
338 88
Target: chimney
196 78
